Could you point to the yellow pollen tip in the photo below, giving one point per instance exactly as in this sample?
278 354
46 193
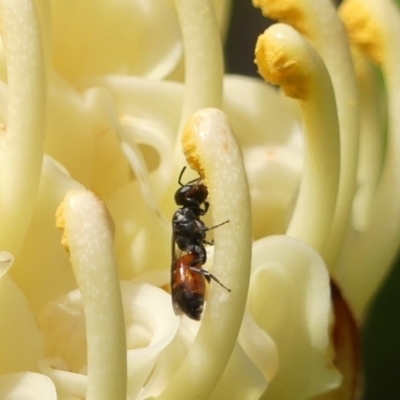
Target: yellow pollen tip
276 66
190 148
287 11
362 29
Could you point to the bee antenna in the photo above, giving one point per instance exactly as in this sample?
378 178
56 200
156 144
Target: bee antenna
180 176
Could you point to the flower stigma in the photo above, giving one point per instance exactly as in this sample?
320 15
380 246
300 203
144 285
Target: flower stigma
285 58
212 150
88 239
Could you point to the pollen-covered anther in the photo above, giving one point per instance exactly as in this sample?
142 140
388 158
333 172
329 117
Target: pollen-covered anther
189 145
287 11
362 29
278 65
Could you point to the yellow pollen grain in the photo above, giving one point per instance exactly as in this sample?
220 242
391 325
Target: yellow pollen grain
362 29
276 67
60 224
190 148
287 11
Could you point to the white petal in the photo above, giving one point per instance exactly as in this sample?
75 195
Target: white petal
42 270
70 385
290 299
139 232
240 380
26 386
127 37
70 135
259 347
170 358
63 325
274 177
263 115
21 342
150 326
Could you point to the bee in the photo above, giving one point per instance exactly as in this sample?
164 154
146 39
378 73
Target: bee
188 277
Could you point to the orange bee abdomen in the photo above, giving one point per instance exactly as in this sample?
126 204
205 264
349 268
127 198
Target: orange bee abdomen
188 287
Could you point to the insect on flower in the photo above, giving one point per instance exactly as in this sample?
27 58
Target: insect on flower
188 252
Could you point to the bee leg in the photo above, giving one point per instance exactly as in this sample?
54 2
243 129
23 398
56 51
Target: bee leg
216 226
208 275
205 229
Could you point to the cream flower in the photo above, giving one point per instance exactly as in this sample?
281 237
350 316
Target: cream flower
95 113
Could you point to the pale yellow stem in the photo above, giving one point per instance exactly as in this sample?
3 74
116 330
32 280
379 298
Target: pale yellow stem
204 67
318 20
372 138
285 58
203 56
23 149
203 61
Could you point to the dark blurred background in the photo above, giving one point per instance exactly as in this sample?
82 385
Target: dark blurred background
381 333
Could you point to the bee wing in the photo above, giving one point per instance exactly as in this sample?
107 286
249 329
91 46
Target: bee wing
176 253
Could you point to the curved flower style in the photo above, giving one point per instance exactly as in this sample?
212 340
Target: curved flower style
95 112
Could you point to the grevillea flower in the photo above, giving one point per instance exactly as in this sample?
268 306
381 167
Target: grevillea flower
102 104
